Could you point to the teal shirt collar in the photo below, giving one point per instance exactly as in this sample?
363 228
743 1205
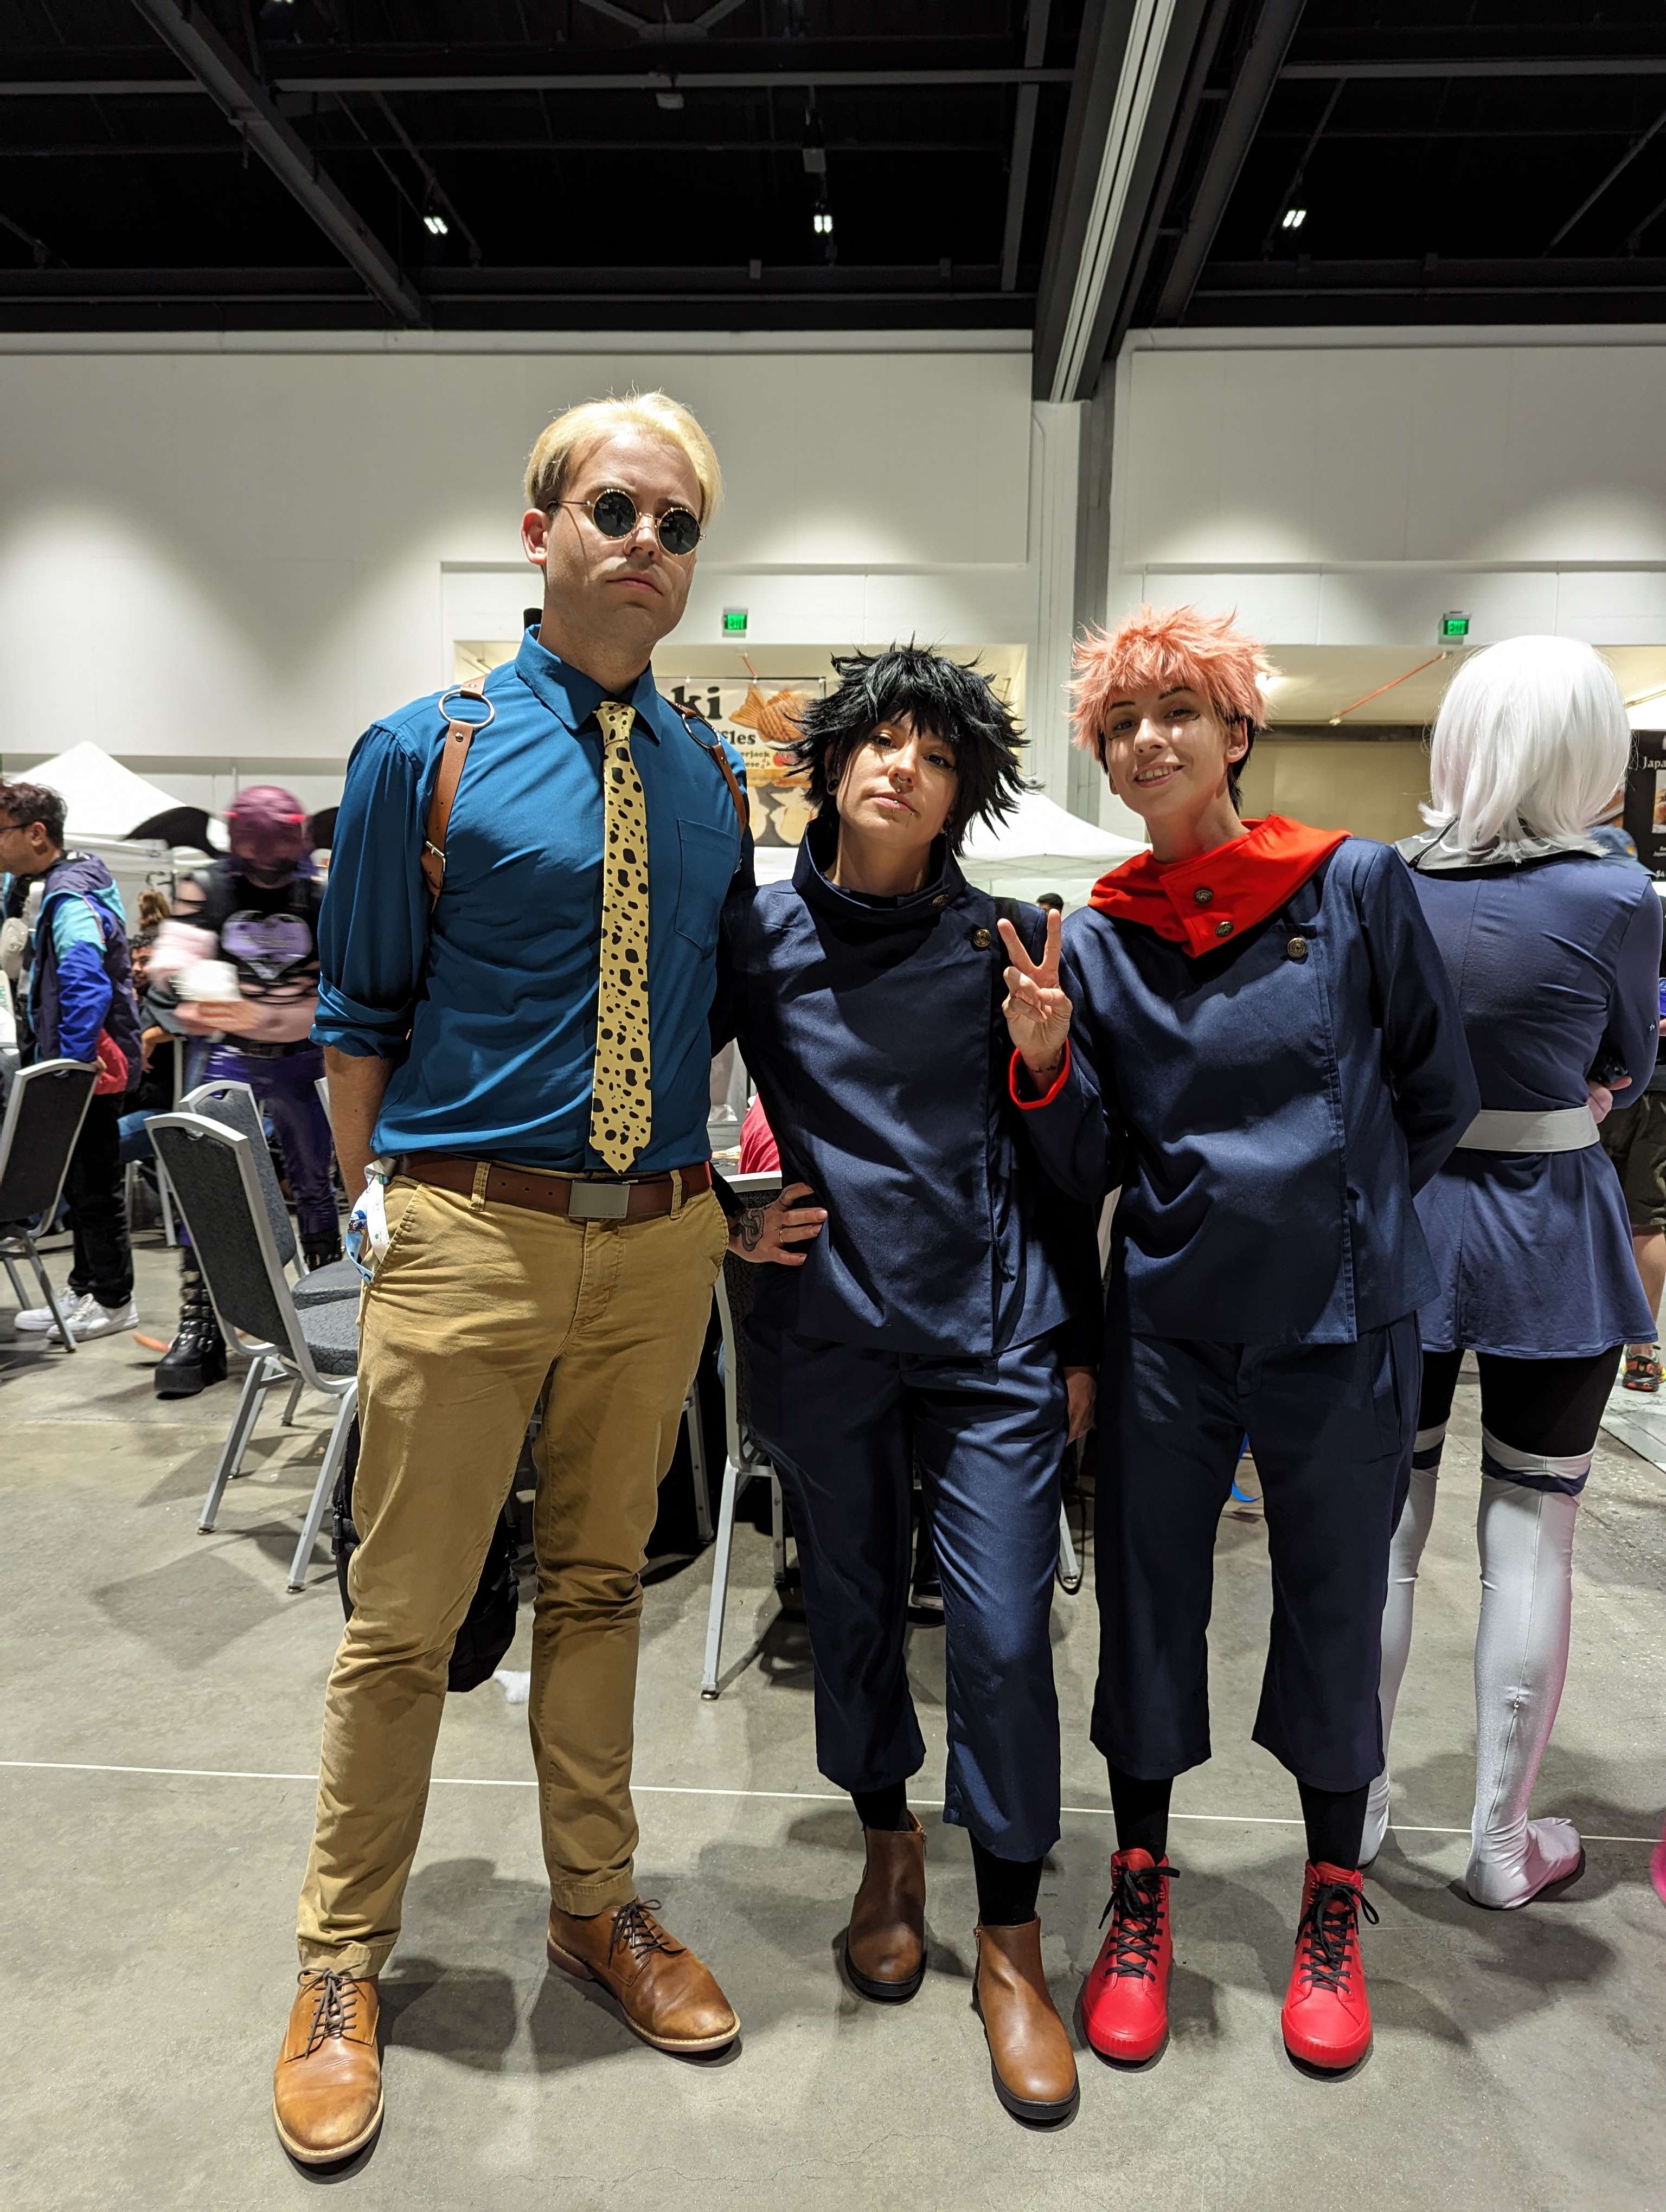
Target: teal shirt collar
572 697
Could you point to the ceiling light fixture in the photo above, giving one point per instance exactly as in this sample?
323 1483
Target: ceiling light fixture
436 225
823 222
1293 218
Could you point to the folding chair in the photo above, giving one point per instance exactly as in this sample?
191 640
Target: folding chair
45 1110
216 1176
132 1179
235 1107
746 1457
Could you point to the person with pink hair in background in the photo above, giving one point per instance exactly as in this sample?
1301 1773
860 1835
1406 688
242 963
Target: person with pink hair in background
1252 1032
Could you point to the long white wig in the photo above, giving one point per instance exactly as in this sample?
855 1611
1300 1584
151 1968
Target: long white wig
1531 737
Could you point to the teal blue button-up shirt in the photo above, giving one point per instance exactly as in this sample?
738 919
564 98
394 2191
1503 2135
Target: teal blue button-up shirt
488 1005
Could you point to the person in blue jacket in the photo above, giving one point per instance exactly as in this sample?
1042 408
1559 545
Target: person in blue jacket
920 1317
1553 947
1253 1033
81 992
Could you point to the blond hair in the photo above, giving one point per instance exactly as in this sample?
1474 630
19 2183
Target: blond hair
654 413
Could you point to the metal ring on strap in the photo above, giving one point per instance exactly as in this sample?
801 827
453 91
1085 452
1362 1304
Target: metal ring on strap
462 691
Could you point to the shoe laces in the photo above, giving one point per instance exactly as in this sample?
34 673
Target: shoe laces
1328 1929
336 1998
1137 1928
641 1934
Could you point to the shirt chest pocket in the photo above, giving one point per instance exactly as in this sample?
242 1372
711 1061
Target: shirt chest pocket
706 862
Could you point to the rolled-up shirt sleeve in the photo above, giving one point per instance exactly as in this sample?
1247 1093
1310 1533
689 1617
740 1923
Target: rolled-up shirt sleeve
373 929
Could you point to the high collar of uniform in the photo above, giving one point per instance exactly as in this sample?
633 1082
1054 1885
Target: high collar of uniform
1204 903
572 697
816 852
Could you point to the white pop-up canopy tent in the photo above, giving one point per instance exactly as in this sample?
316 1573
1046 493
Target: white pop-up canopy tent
103 800
1040 846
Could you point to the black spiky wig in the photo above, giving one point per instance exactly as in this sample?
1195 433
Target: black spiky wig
945 697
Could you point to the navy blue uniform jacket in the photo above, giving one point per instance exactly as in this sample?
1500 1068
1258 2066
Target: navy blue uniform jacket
873 1029
1269 1110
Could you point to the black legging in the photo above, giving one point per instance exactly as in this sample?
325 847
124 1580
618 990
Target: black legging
1551 1407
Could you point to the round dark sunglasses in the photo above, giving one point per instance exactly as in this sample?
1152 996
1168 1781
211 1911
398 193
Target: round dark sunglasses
616 515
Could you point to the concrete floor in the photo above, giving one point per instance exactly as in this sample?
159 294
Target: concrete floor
161 1726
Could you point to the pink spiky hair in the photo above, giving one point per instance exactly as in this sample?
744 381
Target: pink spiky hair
1168 647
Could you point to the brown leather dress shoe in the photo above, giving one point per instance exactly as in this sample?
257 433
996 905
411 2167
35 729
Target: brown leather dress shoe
1030 2060
668 1995
884 1946
327 2084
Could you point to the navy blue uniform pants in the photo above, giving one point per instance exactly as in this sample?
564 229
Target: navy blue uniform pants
845 1428
1331 1427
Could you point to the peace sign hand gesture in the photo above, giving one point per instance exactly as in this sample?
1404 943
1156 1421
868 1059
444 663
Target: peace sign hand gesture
1037 1011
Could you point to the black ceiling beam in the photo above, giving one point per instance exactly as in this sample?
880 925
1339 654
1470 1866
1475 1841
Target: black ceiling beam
247 105
1502 65
674 80
825 80
99 87
1609 176
1024 142
890 149
1240 113
1498 278
727 281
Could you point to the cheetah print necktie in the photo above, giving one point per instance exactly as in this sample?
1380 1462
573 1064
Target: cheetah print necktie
622 1097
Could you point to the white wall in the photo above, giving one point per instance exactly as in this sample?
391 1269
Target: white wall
1345 488
221 561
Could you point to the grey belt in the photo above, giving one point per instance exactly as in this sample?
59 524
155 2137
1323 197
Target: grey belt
1564 1129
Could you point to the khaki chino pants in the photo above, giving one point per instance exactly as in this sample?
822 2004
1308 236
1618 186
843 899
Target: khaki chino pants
477 1310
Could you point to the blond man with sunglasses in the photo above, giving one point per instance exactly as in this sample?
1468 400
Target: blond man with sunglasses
514 1003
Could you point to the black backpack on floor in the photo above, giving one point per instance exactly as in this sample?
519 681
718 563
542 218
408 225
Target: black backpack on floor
489 1627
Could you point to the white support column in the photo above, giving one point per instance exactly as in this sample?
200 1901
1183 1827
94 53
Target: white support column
1054 491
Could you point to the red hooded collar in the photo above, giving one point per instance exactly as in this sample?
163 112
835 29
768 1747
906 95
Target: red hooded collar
1201 904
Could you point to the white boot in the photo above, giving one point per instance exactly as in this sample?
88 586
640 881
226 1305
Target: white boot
1526 1541
1411 1533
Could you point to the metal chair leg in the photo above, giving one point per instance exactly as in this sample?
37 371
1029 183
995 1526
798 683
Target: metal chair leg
777 1525
733 1479
335 1452
48 1293
292 1400
170 1232
17 1289
264 1371
703 1503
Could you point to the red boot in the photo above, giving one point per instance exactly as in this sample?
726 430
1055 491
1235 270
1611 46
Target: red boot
1125 1999
1326 2014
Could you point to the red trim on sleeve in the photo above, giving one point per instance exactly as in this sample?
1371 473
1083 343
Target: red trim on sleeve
1029 1105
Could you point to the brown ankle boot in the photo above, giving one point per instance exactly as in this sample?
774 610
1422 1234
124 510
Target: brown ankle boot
884 1946
667 1994
1030 2055
327 2085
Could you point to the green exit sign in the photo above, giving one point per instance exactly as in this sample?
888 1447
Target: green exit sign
734 622
1454 629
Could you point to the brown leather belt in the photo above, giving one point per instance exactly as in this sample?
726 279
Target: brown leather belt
602 1199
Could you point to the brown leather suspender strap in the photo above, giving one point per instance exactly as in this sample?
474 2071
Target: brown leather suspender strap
459 736
742 815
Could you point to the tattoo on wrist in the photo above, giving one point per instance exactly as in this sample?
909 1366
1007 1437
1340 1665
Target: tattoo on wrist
749 1227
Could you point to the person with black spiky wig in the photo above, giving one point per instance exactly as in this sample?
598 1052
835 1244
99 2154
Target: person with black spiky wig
920 1314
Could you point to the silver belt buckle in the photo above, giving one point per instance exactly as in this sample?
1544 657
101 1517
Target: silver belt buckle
598 1201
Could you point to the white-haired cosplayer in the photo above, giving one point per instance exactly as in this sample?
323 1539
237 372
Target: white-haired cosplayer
1554 948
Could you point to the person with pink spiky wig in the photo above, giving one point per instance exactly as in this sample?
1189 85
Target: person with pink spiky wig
1251 1031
